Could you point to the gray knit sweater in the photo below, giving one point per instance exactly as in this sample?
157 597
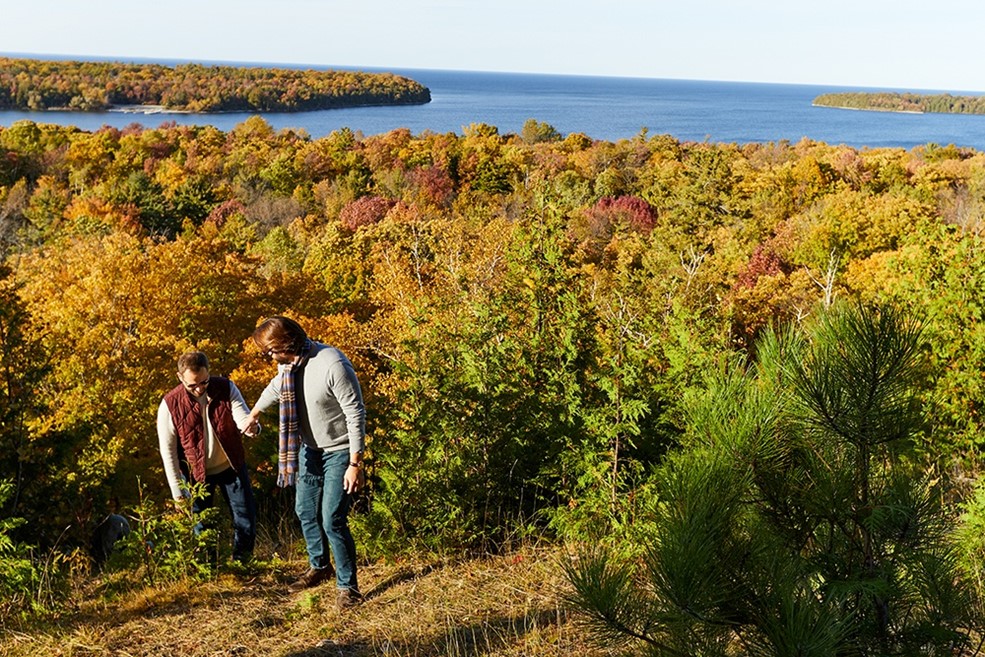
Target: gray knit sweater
331 412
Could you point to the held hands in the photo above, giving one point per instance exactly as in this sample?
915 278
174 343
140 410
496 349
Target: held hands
252 427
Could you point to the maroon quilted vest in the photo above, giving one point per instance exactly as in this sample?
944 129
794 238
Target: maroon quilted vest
186 413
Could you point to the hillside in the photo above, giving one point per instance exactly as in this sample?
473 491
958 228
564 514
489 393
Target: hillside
505 605
27 84
532 318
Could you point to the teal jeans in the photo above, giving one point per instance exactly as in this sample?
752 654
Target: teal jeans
322 506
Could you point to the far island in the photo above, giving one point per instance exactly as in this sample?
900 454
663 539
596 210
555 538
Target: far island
29 84
885 101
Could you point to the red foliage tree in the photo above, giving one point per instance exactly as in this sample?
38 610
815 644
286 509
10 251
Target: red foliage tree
221 213
365 211
763 262
631 211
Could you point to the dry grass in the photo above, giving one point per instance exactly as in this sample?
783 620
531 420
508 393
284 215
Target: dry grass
503 606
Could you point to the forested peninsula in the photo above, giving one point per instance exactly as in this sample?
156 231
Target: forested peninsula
903 102
29 84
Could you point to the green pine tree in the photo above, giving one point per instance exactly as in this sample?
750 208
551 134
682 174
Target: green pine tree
791 523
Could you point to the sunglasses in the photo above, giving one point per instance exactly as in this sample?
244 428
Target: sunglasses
199 384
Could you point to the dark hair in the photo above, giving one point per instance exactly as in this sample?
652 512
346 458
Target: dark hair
280 334
192 360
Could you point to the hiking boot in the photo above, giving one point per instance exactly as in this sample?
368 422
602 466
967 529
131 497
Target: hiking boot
243 558
313 577
349 598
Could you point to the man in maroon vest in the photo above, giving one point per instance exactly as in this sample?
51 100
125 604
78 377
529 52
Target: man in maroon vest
200 424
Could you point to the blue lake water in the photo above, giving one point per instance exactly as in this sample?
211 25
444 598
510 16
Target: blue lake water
600 107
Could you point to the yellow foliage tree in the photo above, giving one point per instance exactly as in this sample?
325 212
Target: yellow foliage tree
114 312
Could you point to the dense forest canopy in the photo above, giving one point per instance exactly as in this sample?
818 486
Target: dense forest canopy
885 101
29 84
527 312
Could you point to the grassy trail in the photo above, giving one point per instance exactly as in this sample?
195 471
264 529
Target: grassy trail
503 605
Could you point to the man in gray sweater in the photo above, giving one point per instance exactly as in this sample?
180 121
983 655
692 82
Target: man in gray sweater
322 430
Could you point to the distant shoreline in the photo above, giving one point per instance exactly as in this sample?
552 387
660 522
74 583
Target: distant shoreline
903 103
868 109
720 112
149 110
146 109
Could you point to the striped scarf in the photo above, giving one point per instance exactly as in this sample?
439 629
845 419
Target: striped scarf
289 437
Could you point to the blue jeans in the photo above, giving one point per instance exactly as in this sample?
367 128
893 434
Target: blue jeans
323 506
238 493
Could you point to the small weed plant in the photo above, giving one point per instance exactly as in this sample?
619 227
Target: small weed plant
970 537
171 542
18 575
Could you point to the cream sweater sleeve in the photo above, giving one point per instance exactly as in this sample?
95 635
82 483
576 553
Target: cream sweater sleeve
167 438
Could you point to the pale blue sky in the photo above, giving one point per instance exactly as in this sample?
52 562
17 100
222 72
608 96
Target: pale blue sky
910 44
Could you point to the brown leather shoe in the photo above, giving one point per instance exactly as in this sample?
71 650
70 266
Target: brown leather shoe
349 598
313 577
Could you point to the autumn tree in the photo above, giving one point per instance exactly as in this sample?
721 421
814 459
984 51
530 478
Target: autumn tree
23 367
113 312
